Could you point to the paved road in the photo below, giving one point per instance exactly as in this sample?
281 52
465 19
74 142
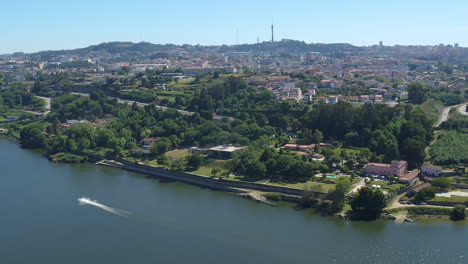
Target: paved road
130 102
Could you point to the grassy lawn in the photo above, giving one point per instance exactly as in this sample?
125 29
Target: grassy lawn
432 109
326 187
14 112
395 186
182 83
303 185
211 164
169 98
453 199
177 154
349 150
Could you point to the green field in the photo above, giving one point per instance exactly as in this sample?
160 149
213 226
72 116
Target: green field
348 150
14 112
394 187
452 199
177 154
302 185
182 83
169 98
206 168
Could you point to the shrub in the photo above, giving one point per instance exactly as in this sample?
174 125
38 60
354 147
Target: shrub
458 213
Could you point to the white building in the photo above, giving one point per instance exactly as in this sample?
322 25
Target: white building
431 170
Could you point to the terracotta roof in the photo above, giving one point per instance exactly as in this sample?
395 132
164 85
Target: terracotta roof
379 165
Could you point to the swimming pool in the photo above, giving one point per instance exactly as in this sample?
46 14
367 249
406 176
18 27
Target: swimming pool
331 176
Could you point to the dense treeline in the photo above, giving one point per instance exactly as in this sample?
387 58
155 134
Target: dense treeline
19 99
264 162
419 92
130 124
232 97
97 105
394 133
391 133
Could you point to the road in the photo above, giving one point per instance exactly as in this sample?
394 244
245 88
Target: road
445 113
462 109
130 102
357 186
47 107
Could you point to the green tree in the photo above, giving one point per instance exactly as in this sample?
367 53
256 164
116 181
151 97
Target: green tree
448 69
178 165
311 194
416 92
338 196
442 183
194 161
458 213
368 204
32 137
425 194
215 171
160 147
162 159
256 170
317 136
413 150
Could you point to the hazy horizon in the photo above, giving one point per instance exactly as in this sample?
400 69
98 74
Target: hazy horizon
57 25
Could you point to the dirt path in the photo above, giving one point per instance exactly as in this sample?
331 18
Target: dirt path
445 114
47 107
357 186
462 109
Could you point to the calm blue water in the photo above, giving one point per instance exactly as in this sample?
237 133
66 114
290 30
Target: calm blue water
41 222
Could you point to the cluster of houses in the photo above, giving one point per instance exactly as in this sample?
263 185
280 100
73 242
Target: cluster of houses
398 169
306 150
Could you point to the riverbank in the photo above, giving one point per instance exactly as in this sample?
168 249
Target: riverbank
179 223
209 182
263 193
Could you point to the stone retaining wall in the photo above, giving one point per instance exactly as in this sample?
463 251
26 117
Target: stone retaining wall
440 203
209 182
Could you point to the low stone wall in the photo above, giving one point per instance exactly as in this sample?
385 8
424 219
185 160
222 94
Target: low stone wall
460 186
209 182
440 203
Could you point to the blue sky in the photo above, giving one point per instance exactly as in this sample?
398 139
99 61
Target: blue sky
33 25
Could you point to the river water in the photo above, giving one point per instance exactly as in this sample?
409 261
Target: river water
41 221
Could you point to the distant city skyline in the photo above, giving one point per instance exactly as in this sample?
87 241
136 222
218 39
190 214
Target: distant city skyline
31 26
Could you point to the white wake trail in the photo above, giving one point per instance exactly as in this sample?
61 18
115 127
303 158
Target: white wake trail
88 201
